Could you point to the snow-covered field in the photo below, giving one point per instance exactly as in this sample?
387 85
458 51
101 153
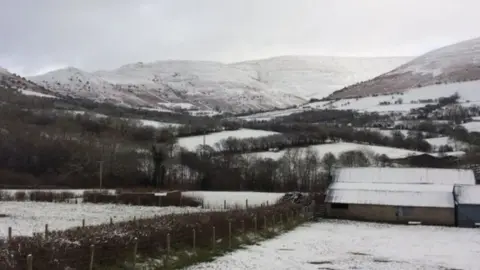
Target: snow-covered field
191 143
36 94
216 199
28 217
472 126
468 92
338 148
346 245
154 124
25 218
211 199
440 141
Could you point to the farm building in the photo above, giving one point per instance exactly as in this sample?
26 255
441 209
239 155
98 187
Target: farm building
396 195
467 200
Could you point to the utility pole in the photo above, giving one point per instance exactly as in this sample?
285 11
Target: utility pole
100 174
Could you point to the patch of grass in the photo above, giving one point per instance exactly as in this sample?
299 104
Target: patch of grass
187 257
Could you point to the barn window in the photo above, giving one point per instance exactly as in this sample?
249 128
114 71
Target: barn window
339 206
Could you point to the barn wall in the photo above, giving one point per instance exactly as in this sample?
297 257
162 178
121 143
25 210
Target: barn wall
383 213
468 215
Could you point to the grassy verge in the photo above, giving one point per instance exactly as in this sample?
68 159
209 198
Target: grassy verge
179 259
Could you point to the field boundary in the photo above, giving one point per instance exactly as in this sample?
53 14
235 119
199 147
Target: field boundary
174 240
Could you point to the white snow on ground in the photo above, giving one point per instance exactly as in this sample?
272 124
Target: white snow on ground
389 132
25 218
180 105
191 143
355 245
212 199
99 115
76 192
338 148
216 199
468 92
157 109
209 113
472 126
37 94
440 141
153 123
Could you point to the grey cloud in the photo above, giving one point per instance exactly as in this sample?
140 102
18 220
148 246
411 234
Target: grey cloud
36 36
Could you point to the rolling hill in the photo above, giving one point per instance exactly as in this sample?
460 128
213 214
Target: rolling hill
451 64
254 85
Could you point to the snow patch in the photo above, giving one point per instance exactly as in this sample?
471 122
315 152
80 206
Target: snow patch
191 143
36 94
25 218
356 245
217 199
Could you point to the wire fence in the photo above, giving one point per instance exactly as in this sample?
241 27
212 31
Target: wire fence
161 243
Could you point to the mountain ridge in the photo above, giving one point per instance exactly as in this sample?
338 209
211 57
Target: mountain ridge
457 62
250 85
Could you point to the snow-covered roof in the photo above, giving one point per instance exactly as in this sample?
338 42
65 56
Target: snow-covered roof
468 194
392 187
406 176
418 195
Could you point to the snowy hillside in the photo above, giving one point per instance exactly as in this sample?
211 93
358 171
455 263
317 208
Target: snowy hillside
318 76
468 91
4 71
12 81
455 63
265 84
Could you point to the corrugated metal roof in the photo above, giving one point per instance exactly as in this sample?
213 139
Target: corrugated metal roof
393 198
406 176
468 194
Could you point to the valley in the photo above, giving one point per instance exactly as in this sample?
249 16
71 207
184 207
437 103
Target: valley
215 156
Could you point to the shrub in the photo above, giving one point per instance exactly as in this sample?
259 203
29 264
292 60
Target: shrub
50 196
142 198
96 196
71 248
20 196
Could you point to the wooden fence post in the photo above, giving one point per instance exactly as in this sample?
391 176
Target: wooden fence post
46 231
273 222
92 255
214 240
229 234
135 249
167 255
194 240
9 234
265 227
83 223
246 203
255 224
243 226
111 221
168 244
29 262
224 204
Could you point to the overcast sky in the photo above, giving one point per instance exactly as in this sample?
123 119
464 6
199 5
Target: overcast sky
41 35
